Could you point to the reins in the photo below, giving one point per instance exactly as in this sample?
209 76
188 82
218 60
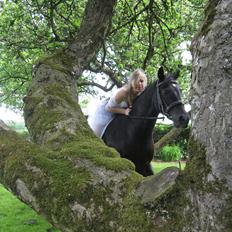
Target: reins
144 117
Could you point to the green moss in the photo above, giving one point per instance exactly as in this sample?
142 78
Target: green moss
58 183
54 194
95 150
58 94
197 168
46 119
31 101
47 114
134 217
170 206
167 210
58 61
210 12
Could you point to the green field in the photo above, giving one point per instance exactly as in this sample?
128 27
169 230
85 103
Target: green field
15 216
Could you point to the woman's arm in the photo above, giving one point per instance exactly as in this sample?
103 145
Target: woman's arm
114 102
117 110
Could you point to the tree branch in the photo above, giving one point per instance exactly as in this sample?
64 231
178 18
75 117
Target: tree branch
170 136
113 75
91 83
133 18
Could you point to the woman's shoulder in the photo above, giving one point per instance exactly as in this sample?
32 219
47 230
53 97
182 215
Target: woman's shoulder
121 94
124 90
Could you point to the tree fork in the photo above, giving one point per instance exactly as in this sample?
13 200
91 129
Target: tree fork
79 184
77 189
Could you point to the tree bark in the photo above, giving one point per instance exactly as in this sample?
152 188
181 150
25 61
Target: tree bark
75 181
66 173
201 200
209 195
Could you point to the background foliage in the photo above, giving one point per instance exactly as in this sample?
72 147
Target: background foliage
181 142
144 33
170 153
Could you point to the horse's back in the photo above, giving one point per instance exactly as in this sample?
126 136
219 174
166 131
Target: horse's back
122 134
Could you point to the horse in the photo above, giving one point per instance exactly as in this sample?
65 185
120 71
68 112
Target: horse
132 136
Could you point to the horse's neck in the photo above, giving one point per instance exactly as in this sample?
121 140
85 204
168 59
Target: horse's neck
144 108
145 104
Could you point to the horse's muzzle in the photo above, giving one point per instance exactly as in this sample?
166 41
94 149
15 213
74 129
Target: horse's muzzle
182 121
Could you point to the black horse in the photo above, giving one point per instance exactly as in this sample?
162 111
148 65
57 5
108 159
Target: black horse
132 136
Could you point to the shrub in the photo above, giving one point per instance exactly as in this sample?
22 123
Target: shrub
170 153
182 140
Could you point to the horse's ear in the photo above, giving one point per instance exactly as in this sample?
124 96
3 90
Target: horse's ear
176 74
161 73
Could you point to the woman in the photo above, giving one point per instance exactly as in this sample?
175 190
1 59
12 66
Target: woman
119 103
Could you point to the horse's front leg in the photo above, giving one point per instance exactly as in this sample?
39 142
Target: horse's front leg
145 170
148 170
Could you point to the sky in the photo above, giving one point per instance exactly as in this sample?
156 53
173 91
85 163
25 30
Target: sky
8 115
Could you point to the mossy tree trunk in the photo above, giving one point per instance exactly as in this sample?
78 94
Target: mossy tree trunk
201 200
209 175
51 111
66 173
75 181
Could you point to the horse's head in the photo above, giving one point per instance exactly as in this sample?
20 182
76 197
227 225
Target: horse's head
169 99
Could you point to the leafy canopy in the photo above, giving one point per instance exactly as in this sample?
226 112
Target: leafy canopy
144 34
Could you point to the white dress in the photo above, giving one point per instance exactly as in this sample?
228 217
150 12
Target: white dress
100 118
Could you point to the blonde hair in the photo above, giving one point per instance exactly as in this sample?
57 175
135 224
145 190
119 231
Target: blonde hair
131 80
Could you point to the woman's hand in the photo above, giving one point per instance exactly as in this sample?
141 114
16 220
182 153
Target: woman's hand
127 111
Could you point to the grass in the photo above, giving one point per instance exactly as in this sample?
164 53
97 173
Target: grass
159 165
15 216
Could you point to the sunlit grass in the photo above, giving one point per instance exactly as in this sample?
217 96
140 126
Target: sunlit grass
159 166
16 216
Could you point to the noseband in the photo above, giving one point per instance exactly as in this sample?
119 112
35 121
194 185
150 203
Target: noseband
163 107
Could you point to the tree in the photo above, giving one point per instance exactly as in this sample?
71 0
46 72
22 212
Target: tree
211 144
68 174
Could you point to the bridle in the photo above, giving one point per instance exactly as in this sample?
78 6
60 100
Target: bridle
163 107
